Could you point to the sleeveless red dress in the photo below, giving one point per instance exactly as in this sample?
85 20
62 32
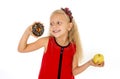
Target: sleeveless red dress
57 61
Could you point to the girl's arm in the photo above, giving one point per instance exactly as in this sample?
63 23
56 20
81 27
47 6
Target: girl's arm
24 47
78 69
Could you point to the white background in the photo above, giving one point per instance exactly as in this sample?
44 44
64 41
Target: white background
98 22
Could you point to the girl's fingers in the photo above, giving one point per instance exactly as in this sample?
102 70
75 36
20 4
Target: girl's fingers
96 65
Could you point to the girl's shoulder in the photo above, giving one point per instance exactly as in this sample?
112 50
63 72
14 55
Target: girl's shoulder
73 46
44 41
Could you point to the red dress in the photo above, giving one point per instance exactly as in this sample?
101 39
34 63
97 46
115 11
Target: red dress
57 61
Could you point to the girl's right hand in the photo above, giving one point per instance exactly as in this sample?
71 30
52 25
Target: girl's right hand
29 29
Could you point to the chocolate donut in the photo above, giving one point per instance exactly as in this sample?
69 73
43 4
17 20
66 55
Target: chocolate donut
37 29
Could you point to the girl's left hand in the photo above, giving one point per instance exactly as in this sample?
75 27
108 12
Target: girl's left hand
96 65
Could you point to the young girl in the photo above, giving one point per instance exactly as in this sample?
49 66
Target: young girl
62 48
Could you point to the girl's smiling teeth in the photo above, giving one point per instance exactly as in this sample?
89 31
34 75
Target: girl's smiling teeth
56 31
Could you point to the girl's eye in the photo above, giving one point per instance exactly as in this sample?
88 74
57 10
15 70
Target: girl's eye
51 24
59 23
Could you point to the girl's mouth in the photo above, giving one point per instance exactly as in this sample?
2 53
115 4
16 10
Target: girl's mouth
56 31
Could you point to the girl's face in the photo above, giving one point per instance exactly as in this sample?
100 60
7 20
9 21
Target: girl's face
59 25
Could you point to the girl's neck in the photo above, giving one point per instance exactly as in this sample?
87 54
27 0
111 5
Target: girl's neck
62 41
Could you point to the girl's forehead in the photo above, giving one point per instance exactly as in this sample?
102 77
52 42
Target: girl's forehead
58 16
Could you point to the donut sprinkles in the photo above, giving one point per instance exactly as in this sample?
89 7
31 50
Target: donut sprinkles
37 29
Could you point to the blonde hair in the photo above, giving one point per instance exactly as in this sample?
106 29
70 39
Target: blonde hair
73 35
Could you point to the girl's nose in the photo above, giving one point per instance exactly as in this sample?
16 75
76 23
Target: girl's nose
55 25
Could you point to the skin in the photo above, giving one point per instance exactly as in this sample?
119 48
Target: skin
59 28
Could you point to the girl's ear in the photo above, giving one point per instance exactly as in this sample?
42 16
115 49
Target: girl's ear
70 26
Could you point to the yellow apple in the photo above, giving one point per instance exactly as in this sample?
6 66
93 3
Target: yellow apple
98 59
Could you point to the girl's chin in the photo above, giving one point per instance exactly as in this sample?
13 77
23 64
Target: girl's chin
56 36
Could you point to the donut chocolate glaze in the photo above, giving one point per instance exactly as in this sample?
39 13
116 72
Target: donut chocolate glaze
37 29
